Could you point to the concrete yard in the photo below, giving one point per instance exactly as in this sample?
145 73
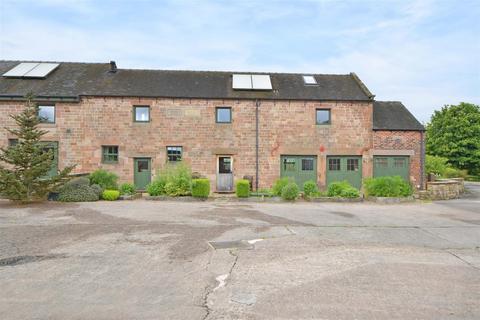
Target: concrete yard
153 260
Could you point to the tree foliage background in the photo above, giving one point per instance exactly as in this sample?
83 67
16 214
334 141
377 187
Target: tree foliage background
24 166
454 133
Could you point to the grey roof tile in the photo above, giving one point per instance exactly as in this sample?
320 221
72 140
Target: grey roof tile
94 79
393 115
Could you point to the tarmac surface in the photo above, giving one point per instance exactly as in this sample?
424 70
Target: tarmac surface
237 260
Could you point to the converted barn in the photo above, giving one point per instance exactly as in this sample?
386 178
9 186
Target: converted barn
225 125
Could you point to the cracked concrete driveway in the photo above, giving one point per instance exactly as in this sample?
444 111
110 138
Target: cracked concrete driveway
153 260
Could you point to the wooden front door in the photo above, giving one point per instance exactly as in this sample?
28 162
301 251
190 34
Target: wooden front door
224 174
142 172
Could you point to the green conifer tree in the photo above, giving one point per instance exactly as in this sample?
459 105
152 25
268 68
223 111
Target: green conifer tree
24 166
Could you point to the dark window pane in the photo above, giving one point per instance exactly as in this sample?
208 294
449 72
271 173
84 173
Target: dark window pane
46 114
307 164
225 165
224 115
142 165
110 153
334 164
323 116
12 142
352 164
174 154
142 114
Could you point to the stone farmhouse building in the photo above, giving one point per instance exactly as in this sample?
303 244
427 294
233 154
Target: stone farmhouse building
225 125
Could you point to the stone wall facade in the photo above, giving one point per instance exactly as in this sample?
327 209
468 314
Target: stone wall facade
285 128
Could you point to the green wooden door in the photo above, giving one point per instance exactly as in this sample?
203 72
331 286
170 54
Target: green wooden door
142 172
299 168
53 146
347 168
391 166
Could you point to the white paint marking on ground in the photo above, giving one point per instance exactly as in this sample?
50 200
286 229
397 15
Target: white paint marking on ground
254 241
221 281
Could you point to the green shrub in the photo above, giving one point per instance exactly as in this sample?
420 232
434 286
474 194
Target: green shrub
173 180
201 188
342 189
156 187
243 188
78 193
454 173
436 165
110 195
290 191
310 189
127 189
105 179
279 185
387 187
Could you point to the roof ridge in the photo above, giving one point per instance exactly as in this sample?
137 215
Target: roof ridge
181 70
52 61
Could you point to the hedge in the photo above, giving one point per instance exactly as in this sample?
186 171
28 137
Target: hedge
243 188
78 193
201 188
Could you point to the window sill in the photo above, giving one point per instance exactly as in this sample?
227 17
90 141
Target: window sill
324 125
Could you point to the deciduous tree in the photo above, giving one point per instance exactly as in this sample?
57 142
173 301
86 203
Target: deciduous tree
454 133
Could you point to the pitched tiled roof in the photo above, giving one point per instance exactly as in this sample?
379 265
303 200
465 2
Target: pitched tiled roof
393 115
72 80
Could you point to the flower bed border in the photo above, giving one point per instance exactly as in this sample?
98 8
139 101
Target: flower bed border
130 196
180 198
336 199
391 200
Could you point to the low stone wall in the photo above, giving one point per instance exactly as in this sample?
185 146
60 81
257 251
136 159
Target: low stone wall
445 189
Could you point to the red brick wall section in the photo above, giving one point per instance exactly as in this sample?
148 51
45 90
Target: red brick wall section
402 140
286 127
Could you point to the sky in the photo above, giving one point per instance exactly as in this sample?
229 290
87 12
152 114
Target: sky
424 53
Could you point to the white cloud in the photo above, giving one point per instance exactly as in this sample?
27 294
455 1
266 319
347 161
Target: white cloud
402 50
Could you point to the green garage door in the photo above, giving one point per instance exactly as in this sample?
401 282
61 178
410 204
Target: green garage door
299 168
348 168
391 166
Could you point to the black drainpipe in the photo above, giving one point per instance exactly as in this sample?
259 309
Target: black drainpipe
257 104
422 160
